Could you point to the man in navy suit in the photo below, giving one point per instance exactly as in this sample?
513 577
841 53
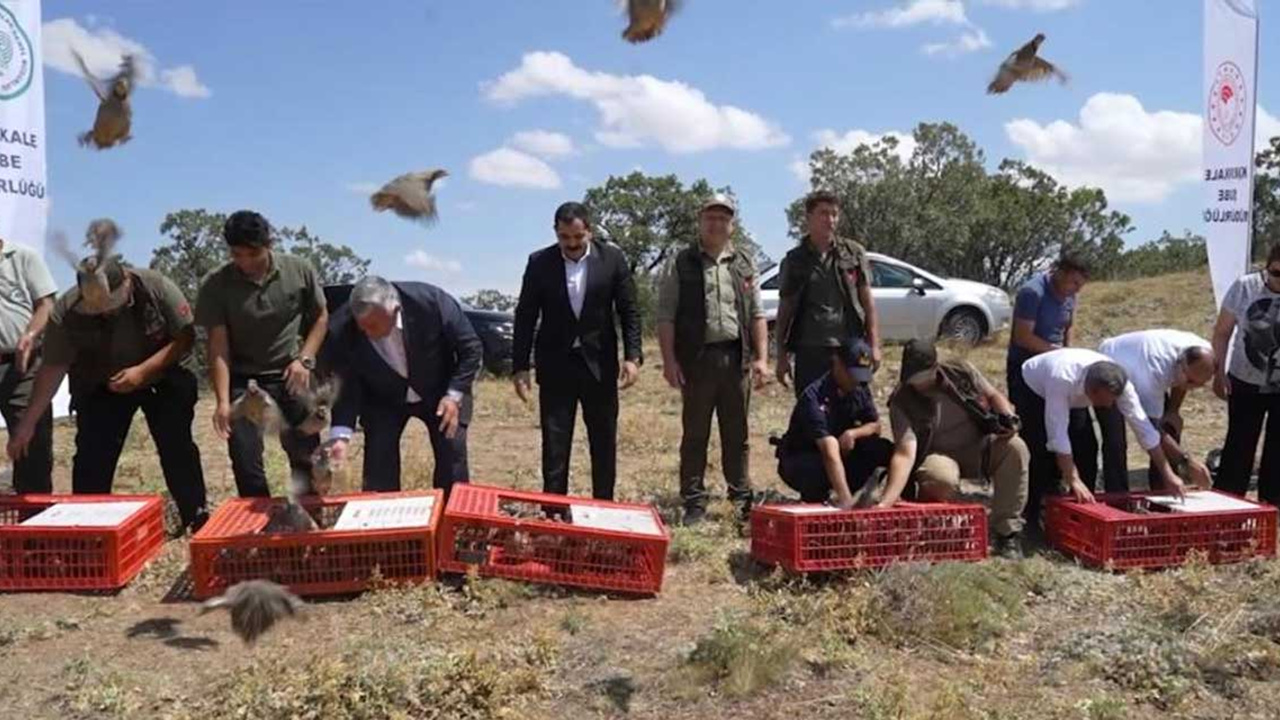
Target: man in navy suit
403 350
577 287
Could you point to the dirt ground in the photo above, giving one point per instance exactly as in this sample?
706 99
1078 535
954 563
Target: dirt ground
1040 638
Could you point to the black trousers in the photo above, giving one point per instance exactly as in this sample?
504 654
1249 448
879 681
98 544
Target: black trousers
1115 450
805 473
558 402
102 426
1248 412
383 426
245 444
1045 478
34 472
809 364
716 384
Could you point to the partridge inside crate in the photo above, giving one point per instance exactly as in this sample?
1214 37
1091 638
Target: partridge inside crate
77 542
818 538
553 539
390 536
1144 530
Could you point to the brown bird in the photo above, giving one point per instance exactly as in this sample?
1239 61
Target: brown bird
319 403
255 606
648 18
1024 66
409 195
257 407
112 125
92 283
325 469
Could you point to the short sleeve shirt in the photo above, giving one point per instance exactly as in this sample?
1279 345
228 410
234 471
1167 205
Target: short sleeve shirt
98 346
822 412
1255 352
264 318
719 298
1052 316
24 279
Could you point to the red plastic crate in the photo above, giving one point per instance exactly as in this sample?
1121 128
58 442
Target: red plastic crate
816 538
479 531
35 557
232 547
1110 534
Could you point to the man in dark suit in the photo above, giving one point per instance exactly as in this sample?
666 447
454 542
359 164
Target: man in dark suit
403 350
577 286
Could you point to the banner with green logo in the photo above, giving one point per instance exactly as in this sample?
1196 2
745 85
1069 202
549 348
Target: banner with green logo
23 195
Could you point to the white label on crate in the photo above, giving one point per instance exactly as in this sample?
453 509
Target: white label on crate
806 509
386 514
1201 502
617 519
85 514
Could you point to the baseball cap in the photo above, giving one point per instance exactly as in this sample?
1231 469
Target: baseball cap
918 356
720 200
857 359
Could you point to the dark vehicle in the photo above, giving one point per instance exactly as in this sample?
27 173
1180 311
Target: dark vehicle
495 328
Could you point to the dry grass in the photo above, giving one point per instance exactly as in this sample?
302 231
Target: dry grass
1035 639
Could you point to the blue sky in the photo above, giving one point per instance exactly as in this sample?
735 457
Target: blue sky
295 108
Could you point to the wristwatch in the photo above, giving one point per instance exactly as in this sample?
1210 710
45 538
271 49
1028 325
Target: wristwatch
307 361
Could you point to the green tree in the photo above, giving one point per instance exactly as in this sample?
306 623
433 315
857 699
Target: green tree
1266 199
489 299
651 217
196 248
941 210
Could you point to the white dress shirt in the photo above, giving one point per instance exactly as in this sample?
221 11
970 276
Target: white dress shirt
392 350
1150 357
575 280
1058 377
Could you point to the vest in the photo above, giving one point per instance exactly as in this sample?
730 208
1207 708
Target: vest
691 306
847 265
960 382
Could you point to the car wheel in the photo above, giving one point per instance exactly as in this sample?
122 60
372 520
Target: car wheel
964 325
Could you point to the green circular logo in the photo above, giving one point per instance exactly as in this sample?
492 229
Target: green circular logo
17 58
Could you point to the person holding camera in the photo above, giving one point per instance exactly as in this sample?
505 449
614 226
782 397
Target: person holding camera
949 422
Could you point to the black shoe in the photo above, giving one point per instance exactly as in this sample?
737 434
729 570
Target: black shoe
1009 546
693 516
201 518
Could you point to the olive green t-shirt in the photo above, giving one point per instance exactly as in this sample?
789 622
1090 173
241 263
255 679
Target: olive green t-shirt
264 318
98 346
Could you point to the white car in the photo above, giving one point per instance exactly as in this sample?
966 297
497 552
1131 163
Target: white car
915 304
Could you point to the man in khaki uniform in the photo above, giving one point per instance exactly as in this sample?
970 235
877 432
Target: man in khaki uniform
824 299
714 342
949 422
26 298
257 310
128 350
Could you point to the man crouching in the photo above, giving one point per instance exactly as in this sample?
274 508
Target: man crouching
949 422
833 442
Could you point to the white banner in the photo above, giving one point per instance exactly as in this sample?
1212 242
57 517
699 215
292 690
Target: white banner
1230 99
24 204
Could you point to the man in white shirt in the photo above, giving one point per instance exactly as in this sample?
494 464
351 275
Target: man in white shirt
1077 378
1163 366
403 350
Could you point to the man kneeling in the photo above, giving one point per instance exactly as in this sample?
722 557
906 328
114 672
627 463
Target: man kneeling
833 441
949 422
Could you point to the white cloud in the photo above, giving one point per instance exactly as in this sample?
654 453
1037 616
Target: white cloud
1037 5
914 12
846 143
423 260
1265 127
638 110
543 143
1132 154
102 48
969 41
511 168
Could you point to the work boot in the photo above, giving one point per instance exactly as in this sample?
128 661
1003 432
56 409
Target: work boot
693 516
1009 546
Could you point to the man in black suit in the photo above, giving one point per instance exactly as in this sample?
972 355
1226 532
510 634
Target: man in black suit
576 286
403 350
